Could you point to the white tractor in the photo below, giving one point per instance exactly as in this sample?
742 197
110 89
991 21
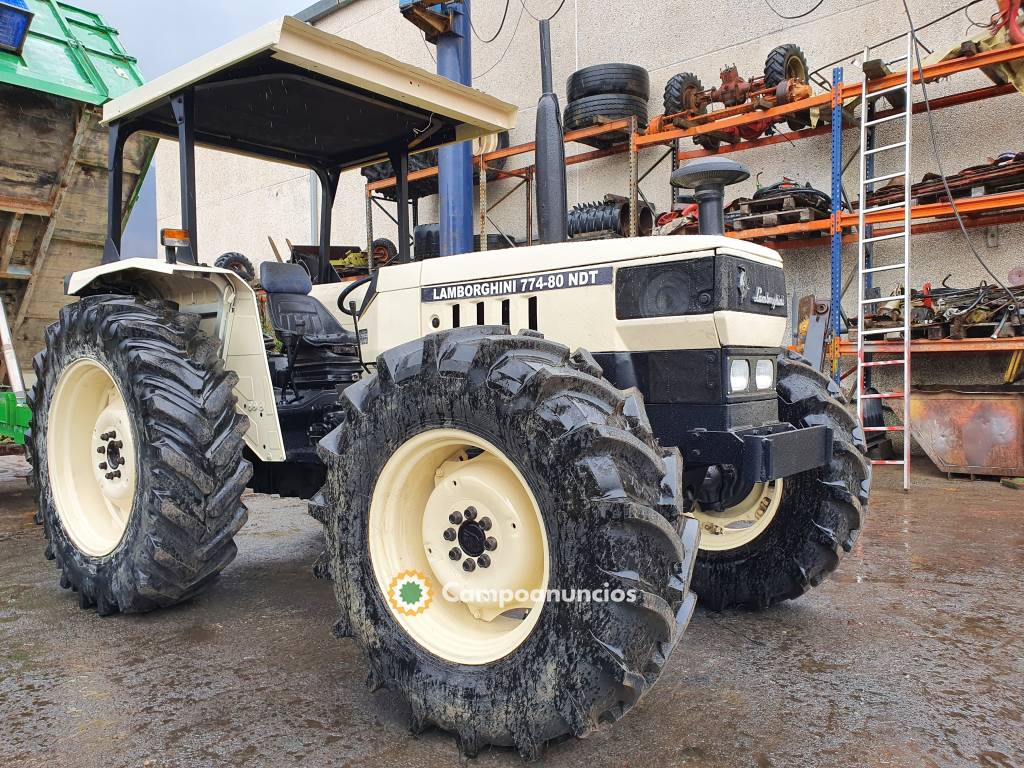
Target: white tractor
513 523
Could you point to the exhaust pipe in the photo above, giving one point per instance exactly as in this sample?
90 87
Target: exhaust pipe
552 197
708 177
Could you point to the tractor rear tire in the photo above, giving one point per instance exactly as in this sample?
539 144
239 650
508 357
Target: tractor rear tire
471 417
161 529
599 79
820 514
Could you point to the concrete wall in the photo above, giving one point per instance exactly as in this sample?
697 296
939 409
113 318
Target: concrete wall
241 202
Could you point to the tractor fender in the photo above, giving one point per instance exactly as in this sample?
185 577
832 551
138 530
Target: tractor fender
230 312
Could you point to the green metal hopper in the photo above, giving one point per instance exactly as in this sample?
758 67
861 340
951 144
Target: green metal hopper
53 160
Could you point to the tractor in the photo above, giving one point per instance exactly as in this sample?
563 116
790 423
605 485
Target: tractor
528 464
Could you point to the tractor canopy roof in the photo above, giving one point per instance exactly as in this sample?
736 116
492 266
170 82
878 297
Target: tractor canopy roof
293 93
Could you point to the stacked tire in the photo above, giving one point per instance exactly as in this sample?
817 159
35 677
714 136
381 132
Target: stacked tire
427 242
603 93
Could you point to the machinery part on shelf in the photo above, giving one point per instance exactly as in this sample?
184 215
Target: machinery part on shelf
460 447
682 94
383 251
594 110
708 177
136 453
237 263
610 217
628 79
423 160
787 62
777 542
1009 17
809 196
785 80
417 162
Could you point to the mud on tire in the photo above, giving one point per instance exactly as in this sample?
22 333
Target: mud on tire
188 450
819 518
610 502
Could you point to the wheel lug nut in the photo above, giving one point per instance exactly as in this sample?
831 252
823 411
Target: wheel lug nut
471 513
468 565
117 445
485 523
454 553
449 535
105 436
101 450
455 518
103 466
484 561
491 544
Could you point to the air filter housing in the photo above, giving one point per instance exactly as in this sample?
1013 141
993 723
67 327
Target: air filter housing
708 177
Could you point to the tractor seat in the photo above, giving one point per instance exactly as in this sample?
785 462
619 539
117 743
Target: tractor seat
294 312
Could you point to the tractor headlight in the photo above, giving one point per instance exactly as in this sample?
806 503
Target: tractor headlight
764 374
739 375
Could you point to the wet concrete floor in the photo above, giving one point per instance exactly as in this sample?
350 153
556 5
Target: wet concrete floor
913 655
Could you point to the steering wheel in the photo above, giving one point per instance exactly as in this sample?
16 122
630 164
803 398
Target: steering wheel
345 294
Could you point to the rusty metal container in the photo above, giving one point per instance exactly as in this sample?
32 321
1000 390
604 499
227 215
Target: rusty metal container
971 430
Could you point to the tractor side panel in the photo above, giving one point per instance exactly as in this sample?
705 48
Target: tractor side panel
576 306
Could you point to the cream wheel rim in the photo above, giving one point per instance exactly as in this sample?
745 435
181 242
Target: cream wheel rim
739 525
451 510
91 457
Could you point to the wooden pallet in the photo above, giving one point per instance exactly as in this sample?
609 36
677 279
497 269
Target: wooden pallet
778 218
791 201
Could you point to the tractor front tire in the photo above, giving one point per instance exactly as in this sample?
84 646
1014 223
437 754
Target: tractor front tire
803 528
136 453
476 458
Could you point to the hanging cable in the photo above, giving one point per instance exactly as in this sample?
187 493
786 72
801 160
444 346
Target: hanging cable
799 15
938 159
501 26
508 46
552 16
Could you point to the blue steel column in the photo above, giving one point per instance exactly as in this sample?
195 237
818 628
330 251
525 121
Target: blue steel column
837 196
837 200
455 162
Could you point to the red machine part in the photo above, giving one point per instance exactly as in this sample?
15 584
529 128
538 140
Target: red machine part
1009 17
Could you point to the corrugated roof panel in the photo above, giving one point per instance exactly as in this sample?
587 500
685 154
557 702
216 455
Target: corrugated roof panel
71 52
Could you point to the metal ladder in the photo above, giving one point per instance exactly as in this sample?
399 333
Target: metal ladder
866 268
